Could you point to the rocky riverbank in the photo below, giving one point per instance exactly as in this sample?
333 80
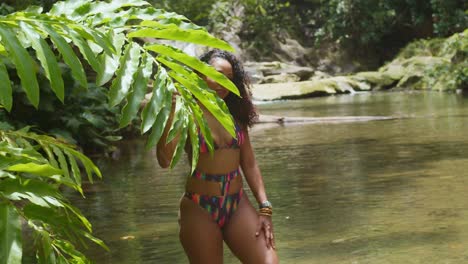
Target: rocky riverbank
436 64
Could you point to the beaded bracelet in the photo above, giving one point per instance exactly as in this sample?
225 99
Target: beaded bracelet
266 211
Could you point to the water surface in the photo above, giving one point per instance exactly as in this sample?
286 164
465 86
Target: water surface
392 191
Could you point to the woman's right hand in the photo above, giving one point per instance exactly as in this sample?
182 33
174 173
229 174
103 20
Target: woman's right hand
265 225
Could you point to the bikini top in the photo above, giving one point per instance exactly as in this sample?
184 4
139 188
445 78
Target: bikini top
234 144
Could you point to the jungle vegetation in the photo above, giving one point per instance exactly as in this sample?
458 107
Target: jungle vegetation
74 74
70 72
380 28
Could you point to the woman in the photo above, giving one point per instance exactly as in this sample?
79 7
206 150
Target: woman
214 207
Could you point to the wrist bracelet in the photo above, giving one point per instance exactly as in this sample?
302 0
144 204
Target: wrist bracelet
265 211
265 204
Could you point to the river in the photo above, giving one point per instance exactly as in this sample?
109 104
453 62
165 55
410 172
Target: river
384 191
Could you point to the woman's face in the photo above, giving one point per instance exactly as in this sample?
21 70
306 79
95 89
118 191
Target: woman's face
223 66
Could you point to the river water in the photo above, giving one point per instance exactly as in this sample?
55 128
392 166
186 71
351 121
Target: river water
385 191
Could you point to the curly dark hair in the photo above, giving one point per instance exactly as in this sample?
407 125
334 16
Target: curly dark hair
241 108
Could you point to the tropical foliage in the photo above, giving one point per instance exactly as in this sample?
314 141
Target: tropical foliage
361 23
30 196
109 50
380 26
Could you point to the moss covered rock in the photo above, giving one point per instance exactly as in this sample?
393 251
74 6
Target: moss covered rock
327 86
436 64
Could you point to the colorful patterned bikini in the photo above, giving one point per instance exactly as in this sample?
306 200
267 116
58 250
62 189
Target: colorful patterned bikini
222 207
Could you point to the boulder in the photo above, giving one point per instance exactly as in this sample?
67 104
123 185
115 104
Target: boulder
282 72
277 68
328 86
281 78
377 80
319 75
304 73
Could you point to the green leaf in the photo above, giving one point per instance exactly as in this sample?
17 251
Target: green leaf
173 32
158 126
161 96
181 144
200 90
68 8
87 163
137 94
37 192
75 170
124 79
6 97
62 161
45 254
178 122
85 50
97 241
4 174
195 64
61 221
209 100
68 248
11 250
110 63
50 155
199 118
194 140
79 215
34 168
68 55
95 37
111 8
47 59
6 162
24 65
3 50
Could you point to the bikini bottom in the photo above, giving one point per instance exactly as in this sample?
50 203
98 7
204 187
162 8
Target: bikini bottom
221 208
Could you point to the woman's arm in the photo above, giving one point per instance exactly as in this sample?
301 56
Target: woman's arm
251 170
255 180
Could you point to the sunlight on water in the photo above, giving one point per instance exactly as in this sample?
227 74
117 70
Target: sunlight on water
391 191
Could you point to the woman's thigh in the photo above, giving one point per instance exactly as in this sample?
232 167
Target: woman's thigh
200 236
239 234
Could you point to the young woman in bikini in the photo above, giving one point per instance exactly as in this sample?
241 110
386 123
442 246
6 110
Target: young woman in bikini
214 207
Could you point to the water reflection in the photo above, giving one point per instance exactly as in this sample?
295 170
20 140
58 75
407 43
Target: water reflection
389 191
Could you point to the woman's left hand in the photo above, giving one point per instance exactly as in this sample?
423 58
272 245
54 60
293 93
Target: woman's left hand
266 225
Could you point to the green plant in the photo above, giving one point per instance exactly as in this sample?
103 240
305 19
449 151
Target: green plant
367 23
104 34
103 46
196 11
30 196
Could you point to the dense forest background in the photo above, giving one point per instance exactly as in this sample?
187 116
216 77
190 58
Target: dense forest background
338 36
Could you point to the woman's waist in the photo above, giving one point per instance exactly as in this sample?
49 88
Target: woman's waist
214 184
216 176
221 160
